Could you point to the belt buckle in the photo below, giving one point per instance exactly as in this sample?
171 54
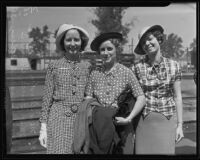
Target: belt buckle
74 108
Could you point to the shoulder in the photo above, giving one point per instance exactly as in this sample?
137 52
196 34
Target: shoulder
85 64
171 62
124 69
55 64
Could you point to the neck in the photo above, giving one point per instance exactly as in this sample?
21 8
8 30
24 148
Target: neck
71 57
155 58
108 66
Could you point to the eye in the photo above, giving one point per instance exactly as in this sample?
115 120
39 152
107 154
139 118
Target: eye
102 49
77 39
109 48
68 39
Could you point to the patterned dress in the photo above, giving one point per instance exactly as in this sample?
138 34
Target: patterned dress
64 91
107 87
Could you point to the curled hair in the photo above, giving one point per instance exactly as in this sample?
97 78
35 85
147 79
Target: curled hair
116 43
83 41
159 36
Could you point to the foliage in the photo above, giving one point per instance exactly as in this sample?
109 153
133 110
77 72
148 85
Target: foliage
110 19
40 40
193 45
193 52
172 46
19 53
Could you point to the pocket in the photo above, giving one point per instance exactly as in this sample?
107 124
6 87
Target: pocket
163 76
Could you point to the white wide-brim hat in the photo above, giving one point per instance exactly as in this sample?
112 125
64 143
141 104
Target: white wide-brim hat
138 49
64 28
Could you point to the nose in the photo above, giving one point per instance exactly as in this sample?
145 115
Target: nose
105 52
147 43
73 42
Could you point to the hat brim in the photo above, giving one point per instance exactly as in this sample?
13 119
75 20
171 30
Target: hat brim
103 37
62 32
138 49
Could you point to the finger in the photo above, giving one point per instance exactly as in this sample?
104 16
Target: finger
179 138
43 143
40 139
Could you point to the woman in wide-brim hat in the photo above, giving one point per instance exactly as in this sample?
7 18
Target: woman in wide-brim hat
64 90
161 123
106 85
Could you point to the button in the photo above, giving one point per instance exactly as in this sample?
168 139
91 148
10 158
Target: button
73 92
107 93
74 108
109 84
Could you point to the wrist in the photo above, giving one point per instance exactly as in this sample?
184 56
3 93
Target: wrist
180 124
129 120
43 127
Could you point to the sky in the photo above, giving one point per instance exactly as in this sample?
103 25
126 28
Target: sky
178 18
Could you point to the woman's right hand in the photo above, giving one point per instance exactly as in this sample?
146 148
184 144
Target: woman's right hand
43 135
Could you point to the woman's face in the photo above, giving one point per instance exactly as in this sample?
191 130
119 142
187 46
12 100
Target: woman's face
72 41
150 44
107 48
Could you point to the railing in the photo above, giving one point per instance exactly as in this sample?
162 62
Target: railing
26 112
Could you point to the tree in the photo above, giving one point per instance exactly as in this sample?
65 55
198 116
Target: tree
172 46
40 40
110 19
19 53
193 52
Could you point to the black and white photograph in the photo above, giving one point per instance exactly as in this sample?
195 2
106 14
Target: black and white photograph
101 80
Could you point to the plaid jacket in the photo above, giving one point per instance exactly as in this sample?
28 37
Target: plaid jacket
157 82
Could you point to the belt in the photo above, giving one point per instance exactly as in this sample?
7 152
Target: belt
73 108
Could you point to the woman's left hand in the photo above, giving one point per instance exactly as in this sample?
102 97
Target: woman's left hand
122 121
179 133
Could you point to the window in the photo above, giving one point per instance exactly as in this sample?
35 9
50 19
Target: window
13 62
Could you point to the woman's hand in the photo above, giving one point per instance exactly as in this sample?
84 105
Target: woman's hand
179 133
43 135
122 121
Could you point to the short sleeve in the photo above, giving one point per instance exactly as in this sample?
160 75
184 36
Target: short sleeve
135 86
48 94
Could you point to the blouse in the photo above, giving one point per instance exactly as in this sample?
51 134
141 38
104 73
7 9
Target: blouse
107 87
157 82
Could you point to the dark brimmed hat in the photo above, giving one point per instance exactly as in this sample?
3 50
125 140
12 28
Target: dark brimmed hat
144 31
103 37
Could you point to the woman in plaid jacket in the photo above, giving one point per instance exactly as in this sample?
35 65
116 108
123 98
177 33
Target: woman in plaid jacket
64 90
160 126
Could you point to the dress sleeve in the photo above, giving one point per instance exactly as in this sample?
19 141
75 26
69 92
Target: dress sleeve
134 84
48 94
89 87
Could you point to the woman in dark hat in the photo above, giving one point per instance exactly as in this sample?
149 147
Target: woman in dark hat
107 84
64 90
161 123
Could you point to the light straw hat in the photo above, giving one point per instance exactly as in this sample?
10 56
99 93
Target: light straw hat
64 28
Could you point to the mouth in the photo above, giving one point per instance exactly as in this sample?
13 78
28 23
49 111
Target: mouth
73 50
